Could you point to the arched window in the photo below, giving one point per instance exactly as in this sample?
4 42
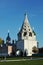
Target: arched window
25 33
30 34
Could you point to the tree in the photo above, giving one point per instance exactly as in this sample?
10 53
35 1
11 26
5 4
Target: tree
35 49
0 41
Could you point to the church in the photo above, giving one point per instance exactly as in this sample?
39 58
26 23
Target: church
26 37
7 48
25 43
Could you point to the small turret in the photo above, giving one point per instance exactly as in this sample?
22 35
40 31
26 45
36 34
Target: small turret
8 39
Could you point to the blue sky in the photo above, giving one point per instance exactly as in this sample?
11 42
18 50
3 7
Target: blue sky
12 16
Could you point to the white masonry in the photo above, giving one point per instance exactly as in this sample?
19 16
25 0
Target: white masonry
26 37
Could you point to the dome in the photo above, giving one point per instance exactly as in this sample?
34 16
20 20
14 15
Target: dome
8 38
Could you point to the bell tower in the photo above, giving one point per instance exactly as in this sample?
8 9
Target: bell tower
26 31
26 37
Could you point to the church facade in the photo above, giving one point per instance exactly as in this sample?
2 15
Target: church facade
26 38
25 43
7 48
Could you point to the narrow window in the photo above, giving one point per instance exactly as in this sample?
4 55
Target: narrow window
25 33
30 34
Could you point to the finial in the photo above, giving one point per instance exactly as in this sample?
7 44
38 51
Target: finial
25 15
8 31
25 18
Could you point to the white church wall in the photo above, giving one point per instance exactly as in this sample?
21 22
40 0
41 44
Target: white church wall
28 45
27 38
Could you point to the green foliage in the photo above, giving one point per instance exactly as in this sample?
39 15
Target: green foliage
0 41
35 50
33 62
